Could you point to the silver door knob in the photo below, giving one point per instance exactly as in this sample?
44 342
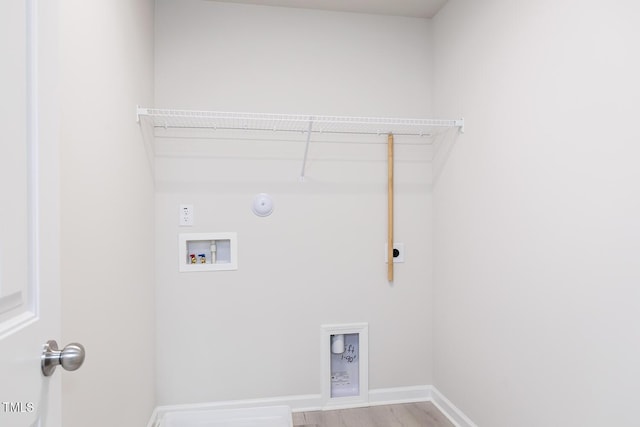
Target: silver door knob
70 358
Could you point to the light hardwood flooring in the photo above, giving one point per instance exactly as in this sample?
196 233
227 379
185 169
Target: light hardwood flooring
423 414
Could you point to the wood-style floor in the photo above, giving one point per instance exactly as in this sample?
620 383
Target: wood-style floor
423 414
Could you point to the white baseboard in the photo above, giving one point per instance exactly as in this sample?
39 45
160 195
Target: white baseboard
396 395
313 402
455 415
425 393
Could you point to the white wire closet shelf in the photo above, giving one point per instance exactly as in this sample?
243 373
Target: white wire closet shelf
187 119
309 124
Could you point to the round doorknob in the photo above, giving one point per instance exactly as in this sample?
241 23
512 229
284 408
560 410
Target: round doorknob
70 357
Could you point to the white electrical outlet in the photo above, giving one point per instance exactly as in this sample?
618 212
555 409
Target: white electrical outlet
398 253
186 215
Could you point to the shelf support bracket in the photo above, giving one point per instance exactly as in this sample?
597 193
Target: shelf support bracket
141 112
306 149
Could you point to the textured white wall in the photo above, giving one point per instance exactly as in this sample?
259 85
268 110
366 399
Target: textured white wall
107 211
536 212
318 259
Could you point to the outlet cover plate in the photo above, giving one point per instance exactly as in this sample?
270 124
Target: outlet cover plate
186 215
399 258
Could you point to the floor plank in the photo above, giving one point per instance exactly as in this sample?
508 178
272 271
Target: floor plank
423 414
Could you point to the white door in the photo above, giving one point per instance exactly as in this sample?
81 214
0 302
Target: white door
29 217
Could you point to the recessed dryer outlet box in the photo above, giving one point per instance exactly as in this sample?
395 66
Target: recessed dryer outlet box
398 253
207 251
345 364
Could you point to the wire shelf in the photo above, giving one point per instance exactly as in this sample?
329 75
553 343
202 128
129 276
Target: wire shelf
186 119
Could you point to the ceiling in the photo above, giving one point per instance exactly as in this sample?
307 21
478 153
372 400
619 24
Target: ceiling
411 8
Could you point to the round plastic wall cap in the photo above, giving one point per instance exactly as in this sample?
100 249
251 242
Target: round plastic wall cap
262 205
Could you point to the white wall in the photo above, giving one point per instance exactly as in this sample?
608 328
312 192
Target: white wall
318 259
107 211
536 212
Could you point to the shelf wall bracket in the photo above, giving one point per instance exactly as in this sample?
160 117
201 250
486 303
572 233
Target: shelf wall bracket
306 149
141 112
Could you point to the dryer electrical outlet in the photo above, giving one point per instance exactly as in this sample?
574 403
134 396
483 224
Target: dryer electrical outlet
344 364
398 253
